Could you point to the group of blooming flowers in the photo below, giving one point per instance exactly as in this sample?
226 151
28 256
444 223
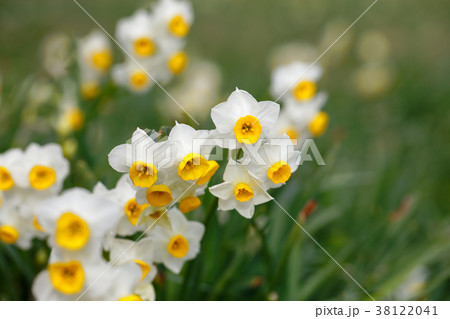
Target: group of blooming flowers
92 256
151 40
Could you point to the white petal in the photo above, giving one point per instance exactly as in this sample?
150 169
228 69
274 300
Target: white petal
223 190
120 158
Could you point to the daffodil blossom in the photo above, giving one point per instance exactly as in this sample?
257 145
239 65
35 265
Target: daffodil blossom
133 76
94 53
191 153
174 246
75 279
10 168
244 119
124 195
296 81
241 190
141 252
173 17
42 168
276 162
142 159
18 225
77 221
137 34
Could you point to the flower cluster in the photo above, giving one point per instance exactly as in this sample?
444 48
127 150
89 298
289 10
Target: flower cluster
163 180
177 170
295 84
27 178
153 42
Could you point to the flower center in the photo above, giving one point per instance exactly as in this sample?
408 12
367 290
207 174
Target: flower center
138 80
292 133
159 195
305 90
189 203
279 172
177 62
133 210
144 267
247 129
213 166
243 192
156 214
192 167
102 60
8 234
143 174
90 90
131 298
6 181
178 246
72 232
68 277
144 47
178 26
75 118
42 177
320 123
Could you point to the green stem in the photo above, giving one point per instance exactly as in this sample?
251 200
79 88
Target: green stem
196 264
265 250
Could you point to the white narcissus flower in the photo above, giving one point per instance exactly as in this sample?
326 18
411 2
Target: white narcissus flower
18 226
141 252
173 17
274 162
43 168
243 118
75 279
173 246
77 221
241 190
141 159
133 76
144 291
124 195
295 81
9 168
191 151
94 53
137 34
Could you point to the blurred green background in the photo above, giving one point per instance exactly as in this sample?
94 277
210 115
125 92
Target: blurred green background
383 197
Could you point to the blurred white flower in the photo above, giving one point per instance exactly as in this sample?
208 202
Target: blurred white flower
94 53
174 246
373 46
77 221
173 17
9 170
42 168
133 76
198 90
56 56
74 279
137 34
296 81
142 253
